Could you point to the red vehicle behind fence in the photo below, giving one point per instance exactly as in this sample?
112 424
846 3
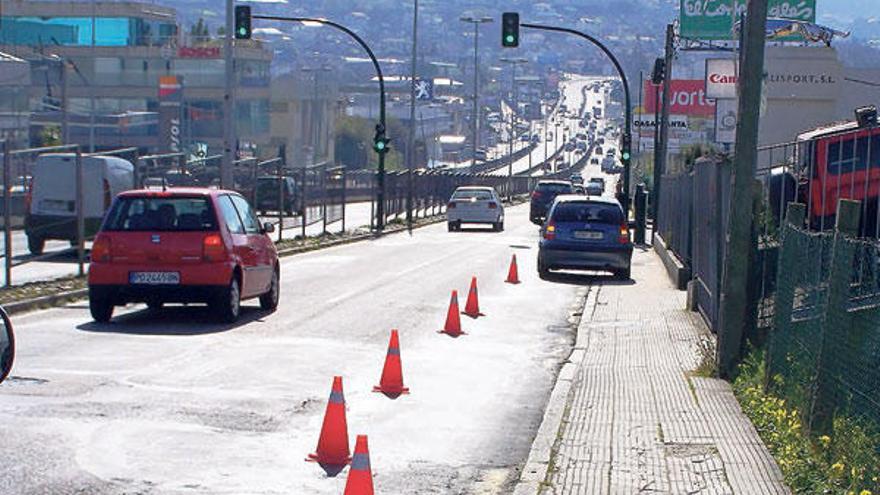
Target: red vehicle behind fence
841 161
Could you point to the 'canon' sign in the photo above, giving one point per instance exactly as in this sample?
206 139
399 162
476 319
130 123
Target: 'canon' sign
722 78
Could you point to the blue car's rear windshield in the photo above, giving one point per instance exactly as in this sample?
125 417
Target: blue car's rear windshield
555 188
588 212
166 214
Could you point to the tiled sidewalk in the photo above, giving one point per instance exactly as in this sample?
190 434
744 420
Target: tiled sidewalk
636 419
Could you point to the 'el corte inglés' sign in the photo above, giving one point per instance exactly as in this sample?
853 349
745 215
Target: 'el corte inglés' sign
713 19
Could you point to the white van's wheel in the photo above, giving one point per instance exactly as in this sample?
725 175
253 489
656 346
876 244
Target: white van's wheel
36 244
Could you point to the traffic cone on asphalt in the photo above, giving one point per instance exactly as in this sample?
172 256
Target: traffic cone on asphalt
512 273
360 477
333 452
453 322
472 307
391 383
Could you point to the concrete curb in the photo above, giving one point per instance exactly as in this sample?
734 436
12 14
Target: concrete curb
679 273
535 471
54 300
50 300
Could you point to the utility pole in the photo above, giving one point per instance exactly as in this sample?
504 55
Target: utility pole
411 143
512 136
475 118
228 101
65 126
663 143
738 245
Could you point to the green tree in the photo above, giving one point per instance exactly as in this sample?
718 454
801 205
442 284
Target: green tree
50 136
200 30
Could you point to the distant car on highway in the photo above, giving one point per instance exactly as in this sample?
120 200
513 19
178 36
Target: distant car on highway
608 164
598 180
577 179
585 234
593 189
594 161
543 195
472 204
185 245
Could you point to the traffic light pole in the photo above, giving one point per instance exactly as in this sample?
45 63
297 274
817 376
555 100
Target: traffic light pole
627 132
380 177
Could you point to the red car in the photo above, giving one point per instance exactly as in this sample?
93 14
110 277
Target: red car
182 245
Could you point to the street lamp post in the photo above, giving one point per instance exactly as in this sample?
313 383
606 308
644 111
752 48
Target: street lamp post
475 118
380 141
411 139
512 136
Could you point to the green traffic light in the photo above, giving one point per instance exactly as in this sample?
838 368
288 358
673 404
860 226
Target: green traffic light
510 38
626 156
242 31
380 145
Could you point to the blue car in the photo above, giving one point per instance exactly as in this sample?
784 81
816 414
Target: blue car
583 233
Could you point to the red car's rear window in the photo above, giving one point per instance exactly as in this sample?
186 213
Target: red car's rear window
166 214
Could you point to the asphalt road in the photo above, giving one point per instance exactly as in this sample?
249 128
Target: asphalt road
172 403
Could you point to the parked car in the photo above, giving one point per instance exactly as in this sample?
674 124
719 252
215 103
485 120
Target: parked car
268 190
585 234
186 245
543 195
51 203
471 204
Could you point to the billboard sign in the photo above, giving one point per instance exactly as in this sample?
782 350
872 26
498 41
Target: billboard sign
721 76
170 106
714 19
688 98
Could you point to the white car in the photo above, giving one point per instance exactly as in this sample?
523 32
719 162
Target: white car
473 204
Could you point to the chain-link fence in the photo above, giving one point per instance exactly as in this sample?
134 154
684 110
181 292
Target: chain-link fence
824 347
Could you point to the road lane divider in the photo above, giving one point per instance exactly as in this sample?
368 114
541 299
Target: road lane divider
391 383
513 272
472 307
333 452
453 321
360 476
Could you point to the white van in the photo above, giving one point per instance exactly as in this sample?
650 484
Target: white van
51 212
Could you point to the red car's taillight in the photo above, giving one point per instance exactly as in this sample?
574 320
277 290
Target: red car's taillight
624 234
101 249
213 248
550 232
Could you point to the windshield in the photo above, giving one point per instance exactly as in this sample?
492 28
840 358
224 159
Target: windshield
555 188
588 212
135 214
477 194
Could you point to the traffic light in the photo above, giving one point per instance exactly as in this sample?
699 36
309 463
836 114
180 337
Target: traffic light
243 22
625 148
510 29
659 72
380 142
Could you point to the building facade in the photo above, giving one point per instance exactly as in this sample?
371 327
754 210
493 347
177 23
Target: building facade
105 59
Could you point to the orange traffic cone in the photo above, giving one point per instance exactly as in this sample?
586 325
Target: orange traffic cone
453 322
391 383
472 307
360 477
333 452
513 273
